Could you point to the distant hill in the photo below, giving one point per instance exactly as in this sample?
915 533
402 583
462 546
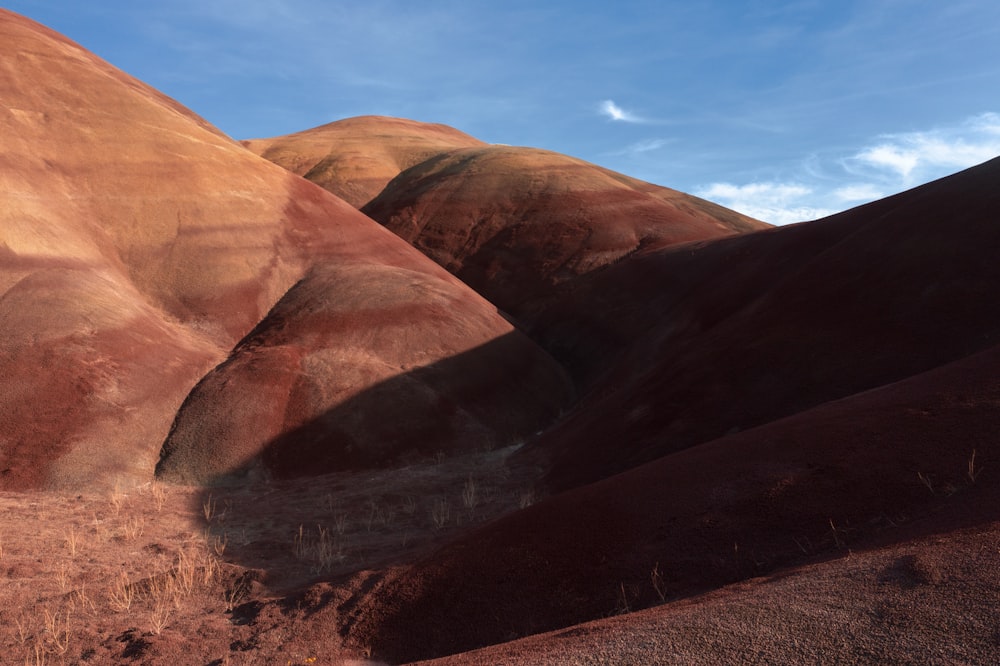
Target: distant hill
513 223
356 157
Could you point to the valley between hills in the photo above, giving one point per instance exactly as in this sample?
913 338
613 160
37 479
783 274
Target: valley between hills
378 392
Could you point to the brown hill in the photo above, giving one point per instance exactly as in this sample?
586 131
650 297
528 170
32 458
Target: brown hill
138 245
355 158
513 223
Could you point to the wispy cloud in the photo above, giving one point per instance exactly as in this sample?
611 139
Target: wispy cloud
617 113
643 146
888 164
777 203
856 192
914 157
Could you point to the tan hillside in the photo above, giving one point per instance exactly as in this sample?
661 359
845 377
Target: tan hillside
356 157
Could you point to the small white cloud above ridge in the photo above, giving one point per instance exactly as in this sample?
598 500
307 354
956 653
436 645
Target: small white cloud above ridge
617 113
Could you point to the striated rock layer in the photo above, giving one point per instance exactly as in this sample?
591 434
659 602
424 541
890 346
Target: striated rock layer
514 223
365 365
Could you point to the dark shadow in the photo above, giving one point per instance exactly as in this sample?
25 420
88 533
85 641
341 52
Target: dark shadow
399 468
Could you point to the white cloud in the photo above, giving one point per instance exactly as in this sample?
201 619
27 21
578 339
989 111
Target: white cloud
615 112
889 164
777 203
914 157
858 192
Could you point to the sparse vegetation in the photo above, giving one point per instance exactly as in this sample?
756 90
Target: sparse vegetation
133 527
623 606
137 573
57 631
159 617
440 512
121 593
71 541
208 508
972 472
656 578
159 494
837 540
118 498
924 479
321 550
470 498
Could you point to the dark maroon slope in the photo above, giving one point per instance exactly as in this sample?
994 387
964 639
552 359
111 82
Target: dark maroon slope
726 335
871 333
842 475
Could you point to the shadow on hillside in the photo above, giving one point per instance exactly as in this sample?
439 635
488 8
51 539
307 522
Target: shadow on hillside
390 473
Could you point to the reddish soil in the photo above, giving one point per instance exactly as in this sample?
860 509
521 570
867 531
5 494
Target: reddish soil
355 158
161 574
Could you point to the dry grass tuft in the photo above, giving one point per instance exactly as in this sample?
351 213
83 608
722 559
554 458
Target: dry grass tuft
121 594
972 472
440 512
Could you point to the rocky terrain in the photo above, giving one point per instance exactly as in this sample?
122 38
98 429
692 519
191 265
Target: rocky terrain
379 392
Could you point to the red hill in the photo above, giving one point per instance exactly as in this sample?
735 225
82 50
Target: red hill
513 223
360 366
138 245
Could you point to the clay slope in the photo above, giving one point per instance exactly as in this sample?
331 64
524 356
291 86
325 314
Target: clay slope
515 222
355 158
730 334
210 233
362 366
884 466
138 245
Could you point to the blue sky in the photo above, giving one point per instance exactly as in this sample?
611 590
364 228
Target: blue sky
783 110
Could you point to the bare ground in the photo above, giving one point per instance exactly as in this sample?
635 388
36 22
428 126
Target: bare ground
161 574
933 600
